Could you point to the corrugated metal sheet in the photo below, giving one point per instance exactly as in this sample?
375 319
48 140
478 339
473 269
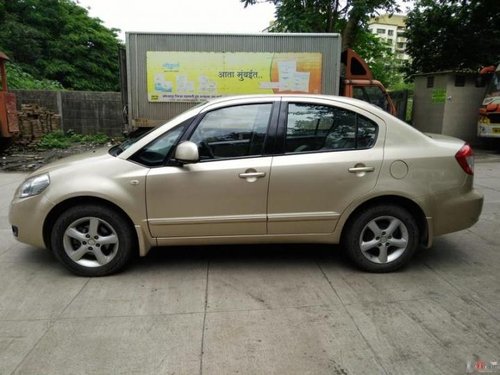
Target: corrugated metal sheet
141 111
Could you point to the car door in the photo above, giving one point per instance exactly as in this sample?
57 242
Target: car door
331 156
225 193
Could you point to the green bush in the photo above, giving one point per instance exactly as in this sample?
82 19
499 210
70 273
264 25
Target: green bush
19 79
58 139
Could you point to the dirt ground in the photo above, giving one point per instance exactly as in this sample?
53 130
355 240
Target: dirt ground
29 158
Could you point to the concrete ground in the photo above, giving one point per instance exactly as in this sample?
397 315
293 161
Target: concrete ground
255 309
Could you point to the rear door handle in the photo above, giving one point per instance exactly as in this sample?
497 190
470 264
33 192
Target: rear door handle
361 169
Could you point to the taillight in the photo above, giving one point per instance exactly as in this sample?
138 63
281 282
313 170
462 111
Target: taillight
465 157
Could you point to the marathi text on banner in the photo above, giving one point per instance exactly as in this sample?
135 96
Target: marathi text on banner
197 76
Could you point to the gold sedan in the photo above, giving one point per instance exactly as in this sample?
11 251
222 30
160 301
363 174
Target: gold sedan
254 169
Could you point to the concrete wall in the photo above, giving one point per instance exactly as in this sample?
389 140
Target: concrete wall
462 109
446 108
84 112
427 114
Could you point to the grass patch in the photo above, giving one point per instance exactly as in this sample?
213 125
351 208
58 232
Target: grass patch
59 139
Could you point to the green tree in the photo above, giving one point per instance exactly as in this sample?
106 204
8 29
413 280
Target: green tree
350 19
379 56
326 16
57 40
19 79
453 34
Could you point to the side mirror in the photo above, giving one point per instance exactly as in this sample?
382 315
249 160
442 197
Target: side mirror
187 152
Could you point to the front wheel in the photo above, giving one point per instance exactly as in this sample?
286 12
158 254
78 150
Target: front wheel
381 238
92 240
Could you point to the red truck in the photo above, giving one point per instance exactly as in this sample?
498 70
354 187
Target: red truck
8 112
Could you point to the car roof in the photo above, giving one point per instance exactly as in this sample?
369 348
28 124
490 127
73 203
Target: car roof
338 99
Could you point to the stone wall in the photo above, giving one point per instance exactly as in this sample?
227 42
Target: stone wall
84 112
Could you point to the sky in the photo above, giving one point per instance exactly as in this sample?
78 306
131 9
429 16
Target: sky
217 16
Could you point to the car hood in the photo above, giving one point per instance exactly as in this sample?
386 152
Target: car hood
89 158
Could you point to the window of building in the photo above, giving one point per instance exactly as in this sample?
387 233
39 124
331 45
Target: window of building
390 32
380 31
459 80
430 81
480 81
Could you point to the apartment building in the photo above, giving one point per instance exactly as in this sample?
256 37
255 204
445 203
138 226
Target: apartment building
391 30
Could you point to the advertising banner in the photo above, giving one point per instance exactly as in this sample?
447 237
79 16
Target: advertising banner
196 76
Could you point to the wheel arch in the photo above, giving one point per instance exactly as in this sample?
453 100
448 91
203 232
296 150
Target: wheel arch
396 200
77 201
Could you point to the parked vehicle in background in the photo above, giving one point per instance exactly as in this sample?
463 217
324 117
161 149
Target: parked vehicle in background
255 169
489 112
167 73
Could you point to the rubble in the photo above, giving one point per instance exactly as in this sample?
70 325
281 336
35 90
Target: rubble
23 154
29 158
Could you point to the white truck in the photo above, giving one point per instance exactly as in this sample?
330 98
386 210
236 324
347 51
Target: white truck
166 73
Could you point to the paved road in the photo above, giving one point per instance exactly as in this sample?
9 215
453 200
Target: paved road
255 310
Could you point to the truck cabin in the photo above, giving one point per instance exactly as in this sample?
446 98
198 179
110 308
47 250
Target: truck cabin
357 82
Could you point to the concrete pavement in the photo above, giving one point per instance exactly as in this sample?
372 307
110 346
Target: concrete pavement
255 309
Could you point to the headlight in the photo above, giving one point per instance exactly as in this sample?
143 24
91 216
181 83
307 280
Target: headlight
34 185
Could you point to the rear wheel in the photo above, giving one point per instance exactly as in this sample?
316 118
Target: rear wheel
92 240
381 238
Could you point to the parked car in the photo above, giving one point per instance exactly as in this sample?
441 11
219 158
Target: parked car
254 169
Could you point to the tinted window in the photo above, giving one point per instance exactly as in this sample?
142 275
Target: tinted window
321 128
233 132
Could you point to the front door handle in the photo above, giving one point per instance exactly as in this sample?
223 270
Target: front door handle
361 169
252 174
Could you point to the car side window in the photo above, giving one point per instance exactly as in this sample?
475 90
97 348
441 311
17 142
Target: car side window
312 127
231 132
155 153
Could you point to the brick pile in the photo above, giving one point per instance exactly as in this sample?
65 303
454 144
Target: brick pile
36 121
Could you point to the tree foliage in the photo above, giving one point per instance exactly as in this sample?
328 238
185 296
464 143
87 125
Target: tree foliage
347 17
57 40
379 56
453 34
19 79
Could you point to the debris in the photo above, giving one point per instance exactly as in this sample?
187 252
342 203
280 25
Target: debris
28 158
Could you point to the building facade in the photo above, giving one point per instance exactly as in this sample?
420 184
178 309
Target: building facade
391 30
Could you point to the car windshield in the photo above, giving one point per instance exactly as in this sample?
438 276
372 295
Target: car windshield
494 86
142 132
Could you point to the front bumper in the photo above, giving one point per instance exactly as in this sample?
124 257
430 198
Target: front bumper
28 216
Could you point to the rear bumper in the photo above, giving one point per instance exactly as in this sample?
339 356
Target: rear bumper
454 213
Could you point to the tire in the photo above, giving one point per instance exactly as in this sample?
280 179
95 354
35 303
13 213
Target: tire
92 240
381 238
